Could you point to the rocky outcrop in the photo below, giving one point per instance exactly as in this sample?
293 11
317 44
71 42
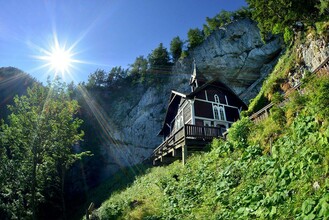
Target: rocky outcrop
310 55
236 55
313 52
131 115
128 119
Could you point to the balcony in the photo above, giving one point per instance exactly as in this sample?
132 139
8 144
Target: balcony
189 137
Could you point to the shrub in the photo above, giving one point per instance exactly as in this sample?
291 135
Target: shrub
239 132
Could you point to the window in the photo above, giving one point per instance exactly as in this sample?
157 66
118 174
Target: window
216 97
216 112
179 121
219 113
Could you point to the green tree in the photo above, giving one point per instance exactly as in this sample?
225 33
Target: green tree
219 20
37 149
323 6
159 59
139 67
223 18
278 16
176 46
115 73
195 37
243 12
97 79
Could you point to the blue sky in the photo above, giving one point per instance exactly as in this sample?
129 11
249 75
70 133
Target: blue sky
101 33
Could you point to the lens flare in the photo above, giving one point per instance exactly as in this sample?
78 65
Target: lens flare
60 60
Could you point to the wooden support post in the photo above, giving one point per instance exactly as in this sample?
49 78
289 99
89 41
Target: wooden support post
184 153
155 162
177 153
90 210
168 160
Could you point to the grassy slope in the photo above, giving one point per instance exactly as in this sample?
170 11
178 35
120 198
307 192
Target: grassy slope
275 169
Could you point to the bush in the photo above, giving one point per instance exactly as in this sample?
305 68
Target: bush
239 132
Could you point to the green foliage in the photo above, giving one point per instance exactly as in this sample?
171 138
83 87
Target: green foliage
323 6
17 81
275 169
322 29
241 184
288 34
318 97
219 20
176 46
97 79
115 74
223 18
159 58
139 67
184 54
101 79
243 12
37 150
195 37
272 84
279 16
239 132
257 103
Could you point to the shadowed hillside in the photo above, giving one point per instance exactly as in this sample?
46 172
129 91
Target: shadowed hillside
12 82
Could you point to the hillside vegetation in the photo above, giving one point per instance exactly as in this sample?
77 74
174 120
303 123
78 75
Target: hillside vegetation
12 79
276 168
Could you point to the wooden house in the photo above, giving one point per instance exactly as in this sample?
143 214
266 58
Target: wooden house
193 120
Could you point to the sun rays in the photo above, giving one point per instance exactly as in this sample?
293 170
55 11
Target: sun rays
60 60
114 144
57 58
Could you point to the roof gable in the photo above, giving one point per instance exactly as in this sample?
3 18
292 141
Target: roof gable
172 108
218 84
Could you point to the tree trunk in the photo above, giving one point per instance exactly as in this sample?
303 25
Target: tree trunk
62 192
34 183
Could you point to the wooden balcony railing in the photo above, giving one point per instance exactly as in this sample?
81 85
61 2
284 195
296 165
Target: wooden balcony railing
206 132
186 132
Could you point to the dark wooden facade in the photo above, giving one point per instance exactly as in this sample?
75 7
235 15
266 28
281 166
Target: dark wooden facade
193 120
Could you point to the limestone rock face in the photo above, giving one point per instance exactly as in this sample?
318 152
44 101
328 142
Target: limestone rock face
235 54
134 115
313 52
129 119
310 55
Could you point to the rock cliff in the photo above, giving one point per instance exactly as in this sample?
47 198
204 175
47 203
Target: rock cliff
131 115
128 118
310 54
236 55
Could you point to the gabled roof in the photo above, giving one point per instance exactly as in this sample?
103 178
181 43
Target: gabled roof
173 104
175 98
216 83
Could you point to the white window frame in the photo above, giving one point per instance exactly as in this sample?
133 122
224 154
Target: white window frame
216 98
219 113
222 116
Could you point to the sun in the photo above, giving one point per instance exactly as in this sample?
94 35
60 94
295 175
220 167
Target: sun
60 60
